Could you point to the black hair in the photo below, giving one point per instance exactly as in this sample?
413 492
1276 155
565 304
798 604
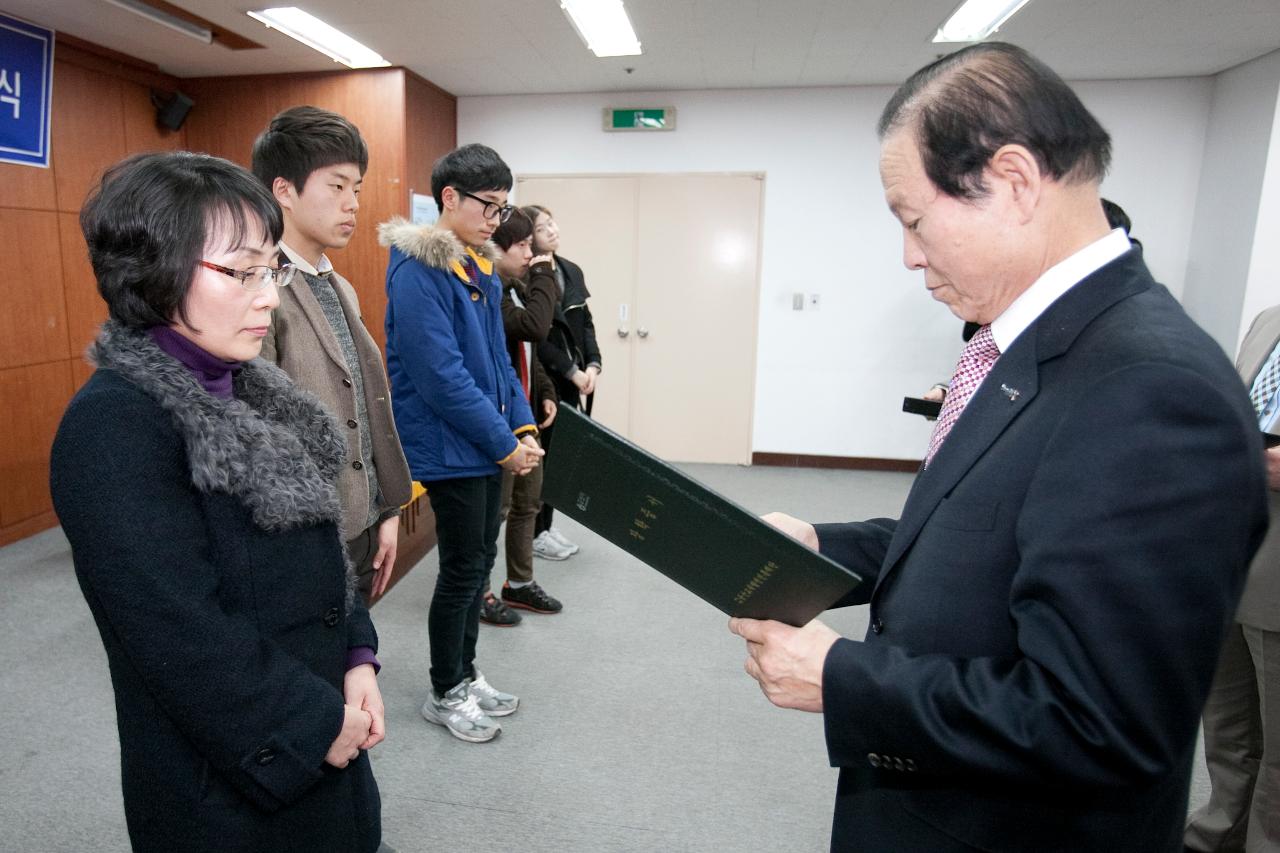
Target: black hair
473 168
964 107
148 222
302 139
533 211
518 227
1116 217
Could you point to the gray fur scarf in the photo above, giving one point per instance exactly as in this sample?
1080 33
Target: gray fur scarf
274 446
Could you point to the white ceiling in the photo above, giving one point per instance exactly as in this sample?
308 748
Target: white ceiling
492 47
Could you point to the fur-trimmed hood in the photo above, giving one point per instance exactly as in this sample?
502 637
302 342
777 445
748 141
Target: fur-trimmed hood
274 446
435 247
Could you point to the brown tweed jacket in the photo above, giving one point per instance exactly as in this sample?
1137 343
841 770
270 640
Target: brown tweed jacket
302 342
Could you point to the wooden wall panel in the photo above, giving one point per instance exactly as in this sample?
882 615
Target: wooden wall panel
372 99
431 116
85 308
431 131
101 112
33 398
28 187
88 130
33 324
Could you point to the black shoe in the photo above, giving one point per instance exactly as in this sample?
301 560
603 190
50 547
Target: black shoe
494 612
531 597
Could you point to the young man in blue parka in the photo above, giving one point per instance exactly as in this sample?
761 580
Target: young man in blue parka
461 413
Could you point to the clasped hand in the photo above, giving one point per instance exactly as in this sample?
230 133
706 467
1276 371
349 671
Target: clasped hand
364 718
526 457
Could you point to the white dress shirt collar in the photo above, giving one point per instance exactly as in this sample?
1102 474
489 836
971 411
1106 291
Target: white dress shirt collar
303 265
1054 282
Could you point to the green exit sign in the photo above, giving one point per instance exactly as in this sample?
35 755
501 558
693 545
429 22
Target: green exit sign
631 118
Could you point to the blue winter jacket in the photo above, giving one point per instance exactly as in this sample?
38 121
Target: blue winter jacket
457 402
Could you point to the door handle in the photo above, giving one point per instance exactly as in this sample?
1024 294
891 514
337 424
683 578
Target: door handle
623 331
642 332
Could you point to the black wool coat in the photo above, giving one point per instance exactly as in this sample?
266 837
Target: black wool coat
571 342
205 540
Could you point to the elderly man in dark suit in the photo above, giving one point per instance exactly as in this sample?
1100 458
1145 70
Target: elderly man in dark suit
1046 614
1242 717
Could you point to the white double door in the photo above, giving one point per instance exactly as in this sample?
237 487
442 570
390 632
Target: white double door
672 264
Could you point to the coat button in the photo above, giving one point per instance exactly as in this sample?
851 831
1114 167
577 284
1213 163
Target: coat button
475 297
873 760
266 756
357 464
351 422
876 626
331 617
346 383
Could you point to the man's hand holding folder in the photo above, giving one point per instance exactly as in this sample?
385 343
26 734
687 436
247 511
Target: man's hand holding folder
786 662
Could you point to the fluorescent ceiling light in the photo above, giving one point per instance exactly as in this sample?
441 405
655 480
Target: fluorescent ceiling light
977 19
603 26
318 35
164 19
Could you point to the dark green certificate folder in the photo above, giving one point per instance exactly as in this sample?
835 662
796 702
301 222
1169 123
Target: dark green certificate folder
706 543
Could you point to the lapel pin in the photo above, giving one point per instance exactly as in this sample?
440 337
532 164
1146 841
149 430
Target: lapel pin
1011 393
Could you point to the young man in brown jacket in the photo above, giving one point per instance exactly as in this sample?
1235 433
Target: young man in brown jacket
314 161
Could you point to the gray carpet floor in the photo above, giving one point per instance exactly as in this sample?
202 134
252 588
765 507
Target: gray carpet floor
637 731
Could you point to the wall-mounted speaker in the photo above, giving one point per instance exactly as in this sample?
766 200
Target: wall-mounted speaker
171 110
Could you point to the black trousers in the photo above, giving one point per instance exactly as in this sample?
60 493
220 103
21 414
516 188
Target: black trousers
542 521
467 522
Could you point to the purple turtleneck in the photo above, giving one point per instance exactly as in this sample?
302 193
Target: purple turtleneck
212 372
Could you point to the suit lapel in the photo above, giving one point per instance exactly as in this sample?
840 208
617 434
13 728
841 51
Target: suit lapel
1008 391
319 322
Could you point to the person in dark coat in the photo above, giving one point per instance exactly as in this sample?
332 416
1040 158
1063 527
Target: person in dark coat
196 486
570 354
526 318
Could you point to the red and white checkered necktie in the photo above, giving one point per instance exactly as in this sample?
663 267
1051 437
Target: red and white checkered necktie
975 363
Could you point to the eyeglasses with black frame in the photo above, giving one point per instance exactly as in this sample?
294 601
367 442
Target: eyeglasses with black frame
254 279
491 208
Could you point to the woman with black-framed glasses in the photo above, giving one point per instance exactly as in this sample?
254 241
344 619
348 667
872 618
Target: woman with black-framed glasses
196 487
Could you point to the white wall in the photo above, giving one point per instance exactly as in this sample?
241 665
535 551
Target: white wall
831 382
1262 288
1237 147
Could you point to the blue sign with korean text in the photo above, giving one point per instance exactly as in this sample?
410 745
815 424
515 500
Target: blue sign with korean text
26 92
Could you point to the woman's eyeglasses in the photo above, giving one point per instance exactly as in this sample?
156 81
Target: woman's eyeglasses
254 279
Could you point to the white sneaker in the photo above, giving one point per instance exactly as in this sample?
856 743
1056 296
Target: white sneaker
547 548
492 701
564 543
459 712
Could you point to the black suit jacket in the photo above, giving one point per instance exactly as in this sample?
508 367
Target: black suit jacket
1047 613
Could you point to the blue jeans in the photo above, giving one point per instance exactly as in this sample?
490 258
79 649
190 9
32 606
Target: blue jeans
467 522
